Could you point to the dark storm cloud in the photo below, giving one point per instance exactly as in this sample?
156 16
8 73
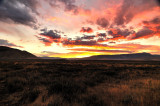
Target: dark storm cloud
130 8
89 37
101 35
52 34
154 21
79 42
102 22
46 41
6 43
120 33
71 7
143 33
49 36
158 1
158 28
29 3
19 11
1 1
86 29
86 40
112 42
90 42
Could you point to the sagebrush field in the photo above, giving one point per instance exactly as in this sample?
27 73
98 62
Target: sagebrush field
79 83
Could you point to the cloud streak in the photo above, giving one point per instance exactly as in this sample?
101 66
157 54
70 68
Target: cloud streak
7 43
101 51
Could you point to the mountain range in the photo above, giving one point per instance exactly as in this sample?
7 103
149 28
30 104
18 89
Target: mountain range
136 56
11 53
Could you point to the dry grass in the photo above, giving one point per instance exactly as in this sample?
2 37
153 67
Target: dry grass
79 83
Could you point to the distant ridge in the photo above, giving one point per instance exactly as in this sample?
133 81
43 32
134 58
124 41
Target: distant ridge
53 58
10 53
136 56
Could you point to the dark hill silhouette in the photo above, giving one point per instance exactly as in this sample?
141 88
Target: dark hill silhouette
10 53
136 56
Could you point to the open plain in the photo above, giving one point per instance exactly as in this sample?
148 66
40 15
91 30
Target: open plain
79 83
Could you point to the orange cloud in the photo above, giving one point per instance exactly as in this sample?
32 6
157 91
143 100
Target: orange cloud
107 50
86 30
102 51
74 54
138 48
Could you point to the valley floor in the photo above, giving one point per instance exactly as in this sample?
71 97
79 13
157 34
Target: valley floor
79 83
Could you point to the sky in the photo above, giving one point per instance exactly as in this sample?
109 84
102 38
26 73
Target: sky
80 28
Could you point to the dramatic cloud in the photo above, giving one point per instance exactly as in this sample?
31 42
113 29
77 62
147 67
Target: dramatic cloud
130 8
158 1
86 40
144 33
119 33
88 37
69 5
18 11
155 21
49 36
124 15
102 35
151 28
79 42
102 22
7 43
52 34
47 42
112 42
32 4
101 26
86 30
158 28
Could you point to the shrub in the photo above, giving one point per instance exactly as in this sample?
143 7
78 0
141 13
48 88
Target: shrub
29 96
